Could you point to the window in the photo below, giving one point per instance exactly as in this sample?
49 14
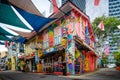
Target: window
59 39
45 44
117 9
110 0
55 39
109 3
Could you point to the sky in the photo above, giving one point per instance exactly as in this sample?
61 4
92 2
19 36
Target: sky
96 11
44 6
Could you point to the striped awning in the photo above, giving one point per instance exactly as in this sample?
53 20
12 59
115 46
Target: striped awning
8 16
26 5
5 38
1 43
4 32
26 35
20 39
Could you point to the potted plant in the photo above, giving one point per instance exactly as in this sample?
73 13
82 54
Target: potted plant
104 61
117 60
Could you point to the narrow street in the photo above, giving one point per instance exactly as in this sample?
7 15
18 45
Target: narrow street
102 74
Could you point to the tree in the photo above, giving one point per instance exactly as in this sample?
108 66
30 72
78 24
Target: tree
110 25
105 61
117 58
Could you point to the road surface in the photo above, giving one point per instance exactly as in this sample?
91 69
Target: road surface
101 74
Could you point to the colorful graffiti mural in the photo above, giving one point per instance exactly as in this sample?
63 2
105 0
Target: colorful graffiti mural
62 34
70 50
51 37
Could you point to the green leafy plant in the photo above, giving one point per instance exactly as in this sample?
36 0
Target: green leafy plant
105 60
110 25
117 58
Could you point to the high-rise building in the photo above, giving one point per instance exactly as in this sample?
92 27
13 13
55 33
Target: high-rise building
81 4
88 7
114 47
114 10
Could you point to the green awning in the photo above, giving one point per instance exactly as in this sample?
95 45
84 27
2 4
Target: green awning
4 32
8 16
4 38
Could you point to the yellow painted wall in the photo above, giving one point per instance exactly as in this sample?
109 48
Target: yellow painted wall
3 54
28 50
13 63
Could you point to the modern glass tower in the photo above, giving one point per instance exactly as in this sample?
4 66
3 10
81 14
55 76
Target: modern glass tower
81 4
114 10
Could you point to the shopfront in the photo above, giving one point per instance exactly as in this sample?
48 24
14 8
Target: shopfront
21 63
85 56
53 62
30 63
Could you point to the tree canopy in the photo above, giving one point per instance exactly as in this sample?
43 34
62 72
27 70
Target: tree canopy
110 25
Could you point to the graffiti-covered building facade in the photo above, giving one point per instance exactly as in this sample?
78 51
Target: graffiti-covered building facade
67 45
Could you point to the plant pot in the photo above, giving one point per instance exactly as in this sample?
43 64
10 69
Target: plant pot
118 68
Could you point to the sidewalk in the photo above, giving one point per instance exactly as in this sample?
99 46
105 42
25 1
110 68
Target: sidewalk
81 75
84 74
101 74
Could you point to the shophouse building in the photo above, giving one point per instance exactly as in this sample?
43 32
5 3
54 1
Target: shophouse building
67 45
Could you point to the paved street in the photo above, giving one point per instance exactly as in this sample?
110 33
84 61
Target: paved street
102 74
